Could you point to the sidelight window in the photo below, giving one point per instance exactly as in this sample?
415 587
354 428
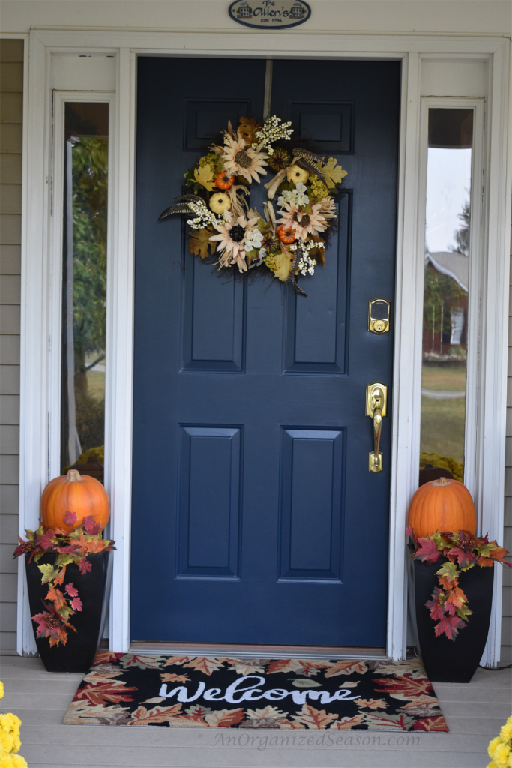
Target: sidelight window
447 260
84 271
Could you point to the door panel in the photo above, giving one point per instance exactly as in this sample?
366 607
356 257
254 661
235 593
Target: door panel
316 328
255 519
210 465
312 470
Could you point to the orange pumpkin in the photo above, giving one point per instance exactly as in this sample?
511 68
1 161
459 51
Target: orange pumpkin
286 234
222 181
77 493
442 505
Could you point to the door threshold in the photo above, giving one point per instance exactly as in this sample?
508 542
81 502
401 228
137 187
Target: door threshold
257 651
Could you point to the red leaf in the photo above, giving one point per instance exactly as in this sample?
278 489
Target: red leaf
57 598
70 518
91 526
405 687
457 597
96 545
447 583
462 558
60 578
71 590
23 546
84 566
428 551
76 604
449 626
99 693
435 607
45 541
498 553
437 723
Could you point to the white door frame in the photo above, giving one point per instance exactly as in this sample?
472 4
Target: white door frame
40 340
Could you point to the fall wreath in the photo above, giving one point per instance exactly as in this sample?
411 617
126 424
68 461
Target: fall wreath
289 239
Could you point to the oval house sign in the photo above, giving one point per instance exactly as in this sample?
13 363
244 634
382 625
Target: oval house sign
270 14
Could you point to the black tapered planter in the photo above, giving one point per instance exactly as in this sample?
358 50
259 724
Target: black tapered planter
78 653
453 661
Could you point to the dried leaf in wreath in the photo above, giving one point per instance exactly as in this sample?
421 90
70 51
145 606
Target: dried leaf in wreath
333 173
204 175
247 129
199 242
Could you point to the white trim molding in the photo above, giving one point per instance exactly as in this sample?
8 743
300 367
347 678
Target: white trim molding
38 320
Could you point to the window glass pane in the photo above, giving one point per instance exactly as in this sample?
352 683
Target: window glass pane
445 312
83 359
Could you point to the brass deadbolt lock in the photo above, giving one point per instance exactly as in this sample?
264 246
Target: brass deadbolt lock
379 311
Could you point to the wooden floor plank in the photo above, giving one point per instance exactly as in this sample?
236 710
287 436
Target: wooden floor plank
44 686
60 701
178 738
475 709
474 725
220 757
478 693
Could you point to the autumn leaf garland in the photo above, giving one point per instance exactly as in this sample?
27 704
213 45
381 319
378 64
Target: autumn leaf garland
62 601
462 551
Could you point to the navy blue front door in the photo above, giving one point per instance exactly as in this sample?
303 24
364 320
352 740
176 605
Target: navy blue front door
255 518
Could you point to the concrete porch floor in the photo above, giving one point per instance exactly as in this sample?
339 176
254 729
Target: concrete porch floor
474 712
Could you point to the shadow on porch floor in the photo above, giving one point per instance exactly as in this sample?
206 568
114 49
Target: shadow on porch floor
474 712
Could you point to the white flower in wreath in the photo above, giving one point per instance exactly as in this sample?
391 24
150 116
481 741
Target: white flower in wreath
253 239
304 223
297 196
241 160
232 239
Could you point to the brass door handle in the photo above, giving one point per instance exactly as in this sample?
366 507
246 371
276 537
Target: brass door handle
376 402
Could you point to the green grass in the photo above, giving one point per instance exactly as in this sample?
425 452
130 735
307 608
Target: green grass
442 426
96 384
444 378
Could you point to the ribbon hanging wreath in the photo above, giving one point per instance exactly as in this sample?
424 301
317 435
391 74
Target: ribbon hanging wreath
289 241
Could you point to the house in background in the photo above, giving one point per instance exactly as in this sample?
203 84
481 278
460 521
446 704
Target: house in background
449 329
229 418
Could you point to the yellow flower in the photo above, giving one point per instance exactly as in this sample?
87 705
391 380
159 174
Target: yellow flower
6 741
1 690
501 755
506 731
318 189
10 722
492 746
13 761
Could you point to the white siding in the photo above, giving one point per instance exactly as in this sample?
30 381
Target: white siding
11 96
506 635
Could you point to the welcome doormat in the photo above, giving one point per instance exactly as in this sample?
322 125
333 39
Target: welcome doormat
127 689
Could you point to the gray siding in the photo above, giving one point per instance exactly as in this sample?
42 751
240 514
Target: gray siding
11 107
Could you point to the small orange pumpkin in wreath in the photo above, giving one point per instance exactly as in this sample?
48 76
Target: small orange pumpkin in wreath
222 181
286 234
